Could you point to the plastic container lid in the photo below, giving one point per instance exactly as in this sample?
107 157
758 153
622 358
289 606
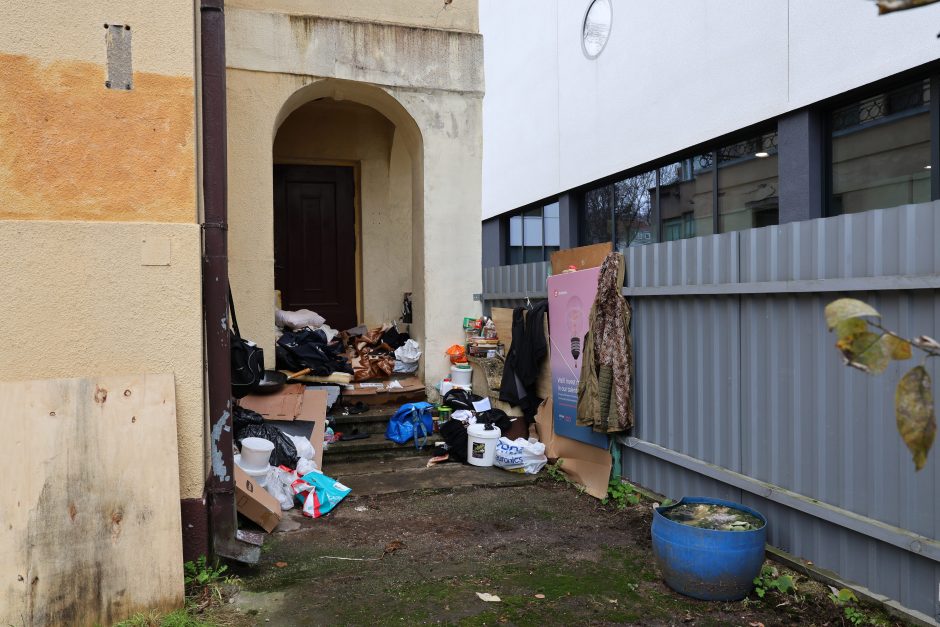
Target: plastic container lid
480 431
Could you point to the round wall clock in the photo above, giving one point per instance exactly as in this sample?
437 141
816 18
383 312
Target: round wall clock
596 27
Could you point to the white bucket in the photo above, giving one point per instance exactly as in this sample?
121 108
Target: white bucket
481 444
259 475
461 377
255 453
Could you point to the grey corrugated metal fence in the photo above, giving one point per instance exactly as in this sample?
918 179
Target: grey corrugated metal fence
740 393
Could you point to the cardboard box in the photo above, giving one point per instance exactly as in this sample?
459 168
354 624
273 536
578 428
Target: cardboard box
255 503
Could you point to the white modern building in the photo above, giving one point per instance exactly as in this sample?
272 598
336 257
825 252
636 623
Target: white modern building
753 161
620 116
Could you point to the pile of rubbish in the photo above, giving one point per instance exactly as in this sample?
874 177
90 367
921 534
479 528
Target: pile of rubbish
472 433
307 344
709 516
276 471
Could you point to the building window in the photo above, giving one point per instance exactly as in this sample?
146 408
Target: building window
680 198
881 150
596 219
534 234
686 191
748 186
620 212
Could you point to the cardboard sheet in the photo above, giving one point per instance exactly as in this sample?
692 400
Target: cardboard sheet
587 465
581 258
292 402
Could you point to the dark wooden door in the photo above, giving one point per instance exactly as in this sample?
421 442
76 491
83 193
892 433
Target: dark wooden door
315 241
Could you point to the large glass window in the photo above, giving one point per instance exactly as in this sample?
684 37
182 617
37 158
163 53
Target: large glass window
620 212
534 234
748 187
633 205
596 218
881 150
685 198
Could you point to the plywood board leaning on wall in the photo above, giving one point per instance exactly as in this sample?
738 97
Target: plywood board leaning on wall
90 508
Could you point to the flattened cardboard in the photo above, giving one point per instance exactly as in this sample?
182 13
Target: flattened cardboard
313 406
316 439
281 405
581 258
292 402
255 503
586 465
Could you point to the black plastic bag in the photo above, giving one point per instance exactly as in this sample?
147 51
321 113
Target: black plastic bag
458 398
249 424
455 436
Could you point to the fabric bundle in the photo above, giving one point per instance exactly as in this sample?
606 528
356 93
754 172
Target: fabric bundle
605 392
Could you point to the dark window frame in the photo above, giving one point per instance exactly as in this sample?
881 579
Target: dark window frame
521 213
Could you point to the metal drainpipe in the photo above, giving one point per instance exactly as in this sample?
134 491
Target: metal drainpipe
221 484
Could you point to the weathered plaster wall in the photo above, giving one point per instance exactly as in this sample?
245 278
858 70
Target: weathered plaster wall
78 300
327 131
74 150
93 184
428 83
458 15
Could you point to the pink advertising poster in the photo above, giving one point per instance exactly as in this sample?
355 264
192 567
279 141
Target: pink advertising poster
570 297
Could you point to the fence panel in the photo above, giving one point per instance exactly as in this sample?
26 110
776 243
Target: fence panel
740 392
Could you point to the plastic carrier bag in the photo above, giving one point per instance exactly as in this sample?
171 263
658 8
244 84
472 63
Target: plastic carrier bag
411 421
318 493
520 455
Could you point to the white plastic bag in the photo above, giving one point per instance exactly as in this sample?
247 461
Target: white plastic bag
306 465
409 352
298 319
405 368
304 448
520 455
279 482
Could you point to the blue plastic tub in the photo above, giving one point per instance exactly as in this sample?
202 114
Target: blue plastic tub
706 563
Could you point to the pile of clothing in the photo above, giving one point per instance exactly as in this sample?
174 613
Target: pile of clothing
361 352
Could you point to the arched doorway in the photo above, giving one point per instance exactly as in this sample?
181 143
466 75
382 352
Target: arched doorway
347 204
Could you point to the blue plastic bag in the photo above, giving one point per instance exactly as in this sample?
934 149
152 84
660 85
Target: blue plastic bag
411 421
318 494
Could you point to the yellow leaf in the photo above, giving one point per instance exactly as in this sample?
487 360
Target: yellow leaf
913 406
896 348
864 351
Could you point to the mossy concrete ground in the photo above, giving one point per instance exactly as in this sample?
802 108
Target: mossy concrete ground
552 555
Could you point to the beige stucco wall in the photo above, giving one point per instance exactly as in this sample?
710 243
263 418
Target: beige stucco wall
462 15
428 83
94 183
328 131
78 300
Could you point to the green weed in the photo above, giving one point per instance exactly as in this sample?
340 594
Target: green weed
770 579
621 494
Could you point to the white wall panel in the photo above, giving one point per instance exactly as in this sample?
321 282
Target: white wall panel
674 73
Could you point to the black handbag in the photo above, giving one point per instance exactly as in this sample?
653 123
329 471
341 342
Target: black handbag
247 359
